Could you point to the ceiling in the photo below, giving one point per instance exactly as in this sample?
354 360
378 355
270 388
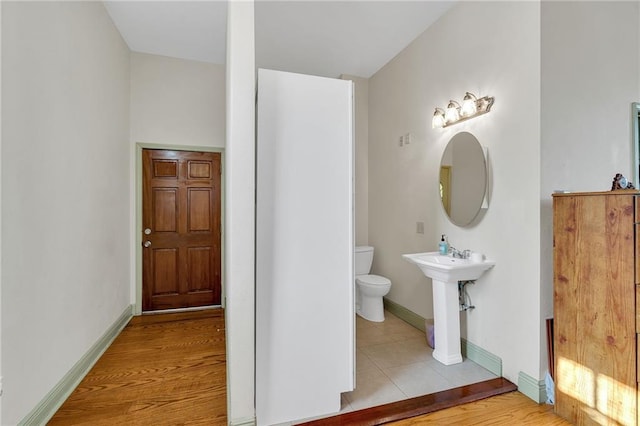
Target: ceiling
326 38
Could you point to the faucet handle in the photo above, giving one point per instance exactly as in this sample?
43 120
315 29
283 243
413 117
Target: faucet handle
466 254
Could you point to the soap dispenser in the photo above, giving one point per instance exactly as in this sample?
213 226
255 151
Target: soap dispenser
444 245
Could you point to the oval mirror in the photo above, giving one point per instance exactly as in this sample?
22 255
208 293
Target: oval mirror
463 178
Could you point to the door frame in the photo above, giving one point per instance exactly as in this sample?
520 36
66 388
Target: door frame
137 237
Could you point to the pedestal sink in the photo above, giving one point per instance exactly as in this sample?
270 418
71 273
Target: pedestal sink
445 272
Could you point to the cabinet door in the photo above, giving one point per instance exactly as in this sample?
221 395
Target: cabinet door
594 309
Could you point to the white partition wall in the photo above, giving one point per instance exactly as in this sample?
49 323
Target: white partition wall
304 246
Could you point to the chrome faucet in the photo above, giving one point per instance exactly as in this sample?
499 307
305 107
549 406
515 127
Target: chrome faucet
454 252
460 254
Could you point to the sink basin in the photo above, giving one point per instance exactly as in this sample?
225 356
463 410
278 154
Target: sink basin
445 272
447 268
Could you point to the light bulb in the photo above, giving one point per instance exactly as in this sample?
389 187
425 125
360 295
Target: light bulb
469 106
452 113
438 119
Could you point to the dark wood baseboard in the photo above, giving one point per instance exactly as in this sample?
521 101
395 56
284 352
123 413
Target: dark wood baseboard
420 405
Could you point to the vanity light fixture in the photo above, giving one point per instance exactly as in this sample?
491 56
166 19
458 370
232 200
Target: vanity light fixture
471 107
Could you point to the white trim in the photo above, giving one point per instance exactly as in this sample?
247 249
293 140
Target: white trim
248 421
52 401
179 310
635 137
1 382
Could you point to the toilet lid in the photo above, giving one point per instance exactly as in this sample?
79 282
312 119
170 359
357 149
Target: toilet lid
372 280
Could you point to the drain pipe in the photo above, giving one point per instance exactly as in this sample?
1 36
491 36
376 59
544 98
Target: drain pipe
463 296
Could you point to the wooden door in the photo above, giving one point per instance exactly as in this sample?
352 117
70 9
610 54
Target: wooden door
180 229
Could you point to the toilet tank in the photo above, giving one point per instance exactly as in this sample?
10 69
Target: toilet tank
364 258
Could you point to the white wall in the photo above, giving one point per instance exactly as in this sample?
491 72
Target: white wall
65 191
590 76
361 157
498 56
176 101
293 190
240 212
0 216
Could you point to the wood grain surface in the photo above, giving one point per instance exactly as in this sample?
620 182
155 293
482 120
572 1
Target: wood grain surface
419 405
167 369
508 409
170 369
594 308
181 216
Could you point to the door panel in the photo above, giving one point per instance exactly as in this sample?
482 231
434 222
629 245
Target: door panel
165 271
199 210
181 208
165 210
200 268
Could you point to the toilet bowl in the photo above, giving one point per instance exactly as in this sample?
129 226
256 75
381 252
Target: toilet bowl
369 288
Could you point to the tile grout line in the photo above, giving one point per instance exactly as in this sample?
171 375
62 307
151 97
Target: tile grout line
390 333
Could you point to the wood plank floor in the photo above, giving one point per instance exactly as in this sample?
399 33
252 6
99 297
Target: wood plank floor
417 406
171 370
166 369
508 409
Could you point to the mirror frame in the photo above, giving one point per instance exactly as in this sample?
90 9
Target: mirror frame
635 136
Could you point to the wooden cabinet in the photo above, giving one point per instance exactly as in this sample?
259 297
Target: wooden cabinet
595 247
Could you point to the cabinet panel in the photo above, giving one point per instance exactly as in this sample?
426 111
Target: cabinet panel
637 257
594 308
637 310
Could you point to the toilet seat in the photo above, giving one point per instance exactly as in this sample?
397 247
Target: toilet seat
374 280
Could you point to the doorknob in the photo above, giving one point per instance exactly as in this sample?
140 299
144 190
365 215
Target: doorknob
147 231
147 244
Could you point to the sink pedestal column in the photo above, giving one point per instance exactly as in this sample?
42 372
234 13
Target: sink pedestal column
446 322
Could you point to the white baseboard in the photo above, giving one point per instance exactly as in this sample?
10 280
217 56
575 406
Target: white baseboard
52 401
248 421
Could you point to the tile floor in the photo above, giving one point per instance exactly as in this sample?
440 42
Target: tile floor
394 362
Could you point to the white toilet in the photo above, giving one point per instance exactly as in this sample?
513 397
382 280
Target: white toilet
369 288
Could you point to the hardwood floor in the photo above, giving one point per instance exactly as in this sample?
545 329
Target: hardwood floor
508 409
166 369
452 407
420 405
171 370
